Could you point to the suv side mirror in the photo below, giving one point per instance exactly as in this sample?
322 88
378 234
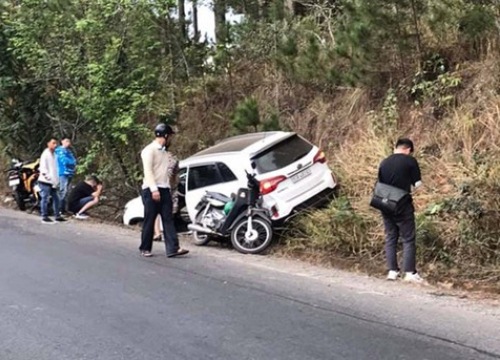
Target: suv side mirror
254 165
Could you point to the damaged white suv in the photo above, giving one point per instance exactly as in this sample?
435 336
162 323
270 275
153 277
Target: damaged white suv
293 174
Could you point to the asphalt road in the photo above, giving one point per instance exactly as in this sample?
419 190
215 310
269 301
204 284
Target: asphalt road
80 291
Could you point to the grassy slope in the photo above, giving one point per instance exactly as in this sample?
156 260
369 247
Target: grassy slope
457 147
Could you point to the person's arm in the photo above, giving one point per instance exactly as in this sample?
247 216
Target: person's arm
147 163
73 158
173 172
68 162
65 154
97 193
416 177
44 168
61 159
174 186
149 177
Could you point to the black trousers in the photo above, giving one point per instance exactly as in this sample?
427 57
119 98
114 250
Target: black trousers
402 226
151 210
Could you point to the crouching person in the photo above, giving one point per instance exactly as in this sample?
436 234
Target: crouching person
84 196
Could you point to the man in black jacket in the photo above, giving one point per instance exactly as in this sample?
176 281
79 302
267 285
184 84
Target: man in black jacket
401 170
84 196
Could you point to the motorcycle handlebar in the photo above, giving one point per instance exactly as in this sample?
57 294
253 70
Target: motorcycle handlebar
250 177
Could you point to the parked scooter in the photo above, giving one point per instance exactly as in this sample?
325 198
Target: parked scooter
23 182
241 217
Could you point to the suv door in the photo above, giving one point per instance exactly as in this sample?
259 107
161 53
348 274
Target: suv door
215 176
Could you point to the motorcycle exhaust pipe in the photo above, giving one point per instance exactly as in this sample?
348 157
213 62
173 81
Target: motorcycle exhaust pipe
202 229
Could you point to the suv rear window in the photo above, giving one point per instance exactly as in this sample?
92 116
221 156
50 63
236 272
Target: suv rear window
282 154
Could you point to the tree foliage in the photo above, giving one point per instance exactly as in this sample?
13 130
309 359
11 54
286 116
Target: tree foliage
102 72
95 71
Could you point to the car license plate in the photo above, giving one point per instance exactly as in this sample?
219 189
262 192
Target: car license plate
301 175
14 182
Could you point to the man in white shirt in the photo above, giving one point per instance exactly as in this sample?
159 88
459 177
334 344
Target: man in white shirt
156 194
48 180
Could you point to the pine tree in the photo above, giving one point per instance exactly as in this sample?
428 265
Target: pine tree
376 35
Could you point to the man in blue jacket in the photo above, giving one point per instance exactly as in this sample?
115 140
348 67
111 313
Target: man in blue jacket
66 163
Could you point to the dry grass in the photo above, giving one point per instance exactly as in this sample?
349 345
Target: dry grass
459 160
458 231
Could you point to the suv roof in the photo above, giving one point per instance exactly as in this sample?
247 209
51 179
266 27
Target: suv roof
239 143
233 146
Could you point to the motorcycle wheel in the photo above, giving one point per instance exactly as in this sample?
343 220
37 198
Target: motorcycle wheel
255 242
18 197
200 239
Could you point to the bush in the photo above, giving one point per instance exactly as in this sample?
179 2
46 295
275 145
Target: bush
337 231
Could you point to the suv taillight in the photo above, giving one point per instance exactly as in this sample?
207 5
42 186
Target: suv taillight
320 157
269 185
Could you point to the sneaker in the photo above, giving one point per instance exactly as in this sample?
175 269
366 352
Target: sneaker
47 220
60 219
146 253
81 216
414 278
392 275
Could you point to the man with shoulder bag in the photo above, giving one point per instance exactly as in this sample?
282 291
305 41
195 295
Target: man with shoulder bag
397 175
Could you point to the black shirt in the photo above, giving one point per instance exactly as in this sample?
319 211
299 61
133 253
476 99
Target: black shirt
80 191
399 170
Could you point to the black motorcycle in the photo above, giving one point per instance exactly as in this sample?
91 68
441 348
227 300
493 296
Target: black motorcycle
240 217
22 178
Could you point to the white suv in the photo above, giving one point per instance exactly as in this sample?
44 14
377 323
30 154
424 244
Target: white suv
293 173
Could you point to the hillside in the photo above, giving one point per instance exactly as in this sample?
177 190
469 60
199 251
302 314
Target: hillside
458 232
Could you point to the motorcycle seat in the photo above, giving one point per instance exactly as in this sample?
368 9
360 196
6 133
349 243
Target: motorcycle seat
32 165
218 196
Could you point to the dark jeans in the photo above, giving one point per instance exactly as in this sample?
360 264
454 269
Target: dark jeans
151 211
402 225
46 192
75 208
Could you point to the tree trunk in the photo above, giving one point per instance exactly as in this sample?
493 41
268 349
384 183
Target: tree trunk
195 22
400 50
417 31
221 35
264 9
182 19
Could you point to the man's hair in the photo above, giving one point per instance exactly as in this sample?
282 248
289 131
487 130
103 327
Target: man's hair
405 143
93 178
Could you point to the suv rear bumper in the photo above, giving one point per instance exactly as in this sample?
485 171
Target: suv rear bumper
317 201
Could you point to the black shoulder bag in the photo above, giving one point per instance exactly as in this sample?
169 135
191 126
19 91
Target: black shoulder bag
389 199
